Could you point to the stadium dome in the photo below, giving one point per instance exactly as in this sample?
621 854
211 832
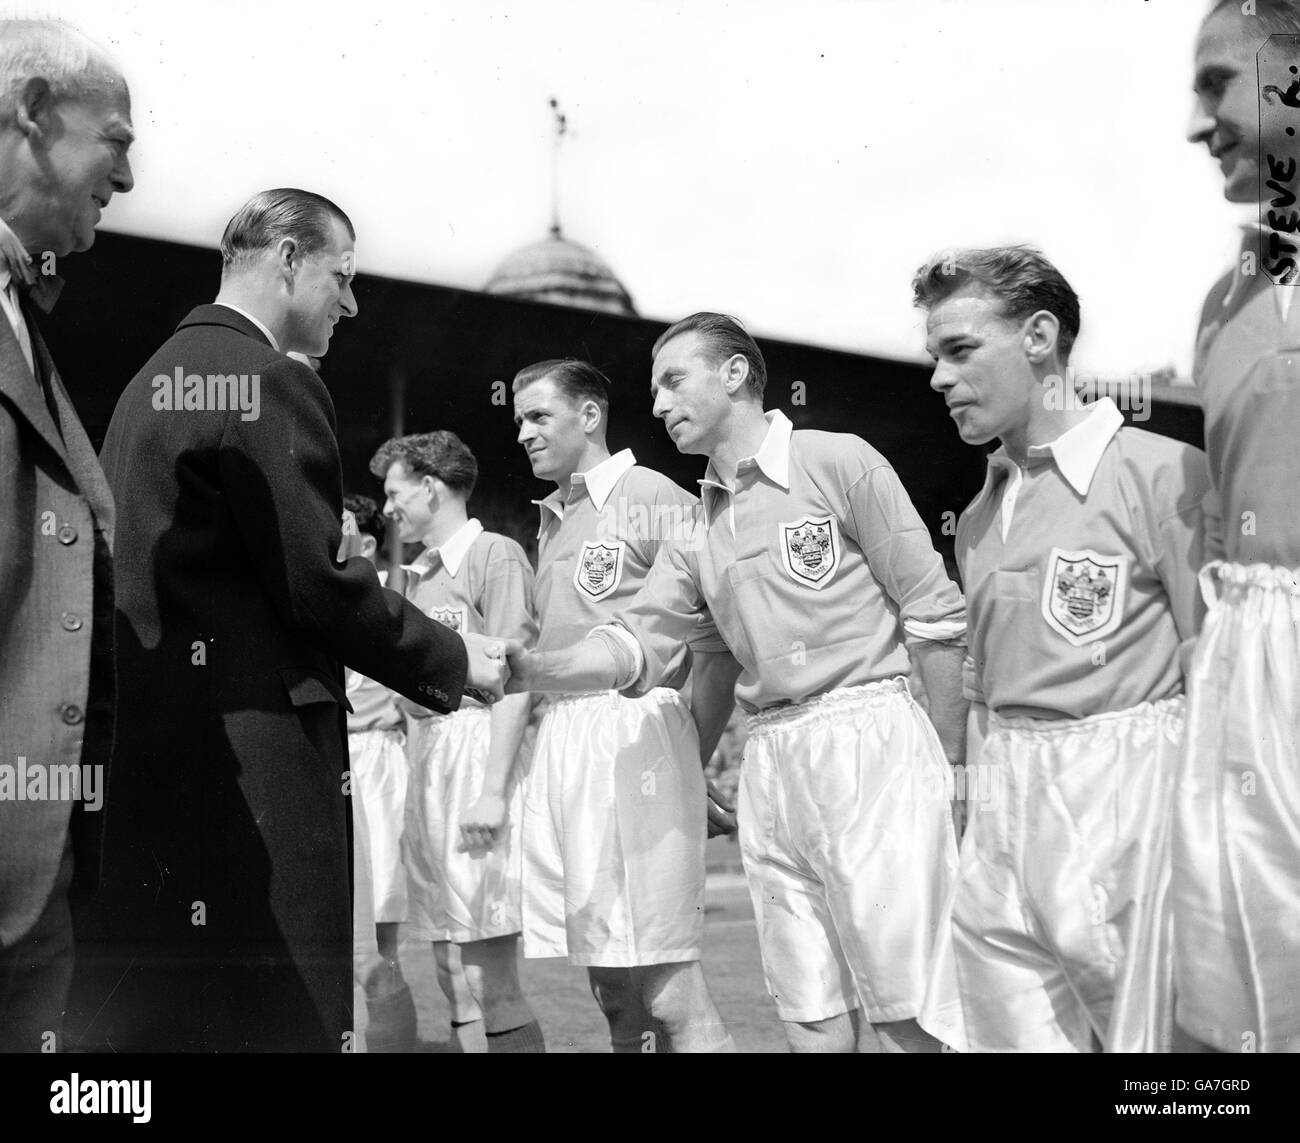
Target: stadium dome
562 272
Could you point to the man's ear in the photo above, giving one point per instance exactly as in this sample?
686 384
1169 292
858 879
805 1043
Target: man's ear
1042 329
287 257
35 107
369 545
591 416
734 372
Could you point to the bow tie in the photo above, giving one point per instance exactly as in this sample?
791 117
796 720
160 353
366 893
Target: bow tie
43 292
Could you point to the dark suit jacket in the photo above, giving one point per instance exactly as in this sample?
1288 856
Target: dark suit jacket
56 603
226 874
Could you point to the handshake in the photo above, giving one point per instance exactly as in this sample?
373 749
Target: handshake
498 667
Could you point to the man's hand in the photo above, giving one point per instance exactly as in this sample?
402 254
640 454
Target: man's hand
488 670
525 668
482 825
722 817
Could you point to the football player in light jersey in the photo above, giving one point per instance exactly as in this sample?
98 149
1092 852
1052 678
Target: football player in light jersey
1236 889
821 578
462 843
1079 560
615 817
377 762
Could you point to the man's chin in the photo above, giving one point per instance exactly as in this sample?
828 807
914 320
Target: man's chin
973 435
1243 186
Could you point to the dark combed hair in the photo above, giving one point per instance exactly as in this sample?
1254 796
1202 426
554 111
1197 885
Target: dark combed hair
272 215
578 380
1018 276
440 454
1272 17
725 337
370 520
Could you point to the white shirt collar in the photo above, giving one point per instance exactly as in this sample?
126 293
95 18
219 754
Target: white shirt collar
1077 451
598 482
244 313
772 457
6 275
451 554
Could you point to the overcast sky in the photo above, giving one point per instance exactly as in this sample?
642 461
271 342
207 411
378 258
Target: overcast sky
788 162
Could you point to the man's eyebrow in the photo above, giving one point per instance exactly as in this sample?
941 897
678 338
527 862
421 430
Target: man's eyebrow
122 132
1206 73
946 341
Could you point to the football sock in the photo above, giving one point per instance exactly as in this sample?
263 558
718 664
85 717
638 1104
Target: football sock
526 1038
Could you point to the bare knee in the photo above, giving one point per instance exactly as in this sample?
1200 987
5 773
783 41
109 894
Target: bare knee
492 970
905 1036
834 1034
615 992
675 994
454 982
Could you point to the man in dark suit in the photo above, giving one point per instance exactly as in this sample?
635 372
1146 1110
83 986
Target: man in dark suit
65 126
228 881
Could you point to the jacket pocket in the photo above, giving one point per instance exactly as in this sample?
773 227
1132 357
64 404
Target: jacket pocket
306 687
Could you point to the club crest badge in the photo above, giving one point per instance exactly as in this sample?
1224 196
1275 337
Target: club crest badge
810 549
453 617
1083 594
600 568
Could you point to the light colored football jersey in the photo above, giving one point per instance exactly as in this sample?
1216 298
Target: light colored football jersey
374 706
815 567
1248 370
596 547
1081 571
477 583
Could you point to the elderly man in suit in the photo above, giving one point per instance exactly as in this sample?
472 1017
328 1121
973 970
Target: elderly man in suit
229 876
65 126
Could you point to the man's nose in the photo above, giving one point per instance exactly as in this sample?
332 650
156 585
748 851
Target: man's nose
526 432
390 509
1201 124
943 378
121 176
661 403
348 301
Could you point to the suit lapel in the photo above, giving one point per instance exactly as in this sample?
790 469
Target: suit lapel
77 452
21 387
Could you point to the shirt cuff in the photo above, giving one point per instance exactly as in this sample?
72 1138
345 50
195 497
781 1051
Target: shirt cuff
629 660
944 631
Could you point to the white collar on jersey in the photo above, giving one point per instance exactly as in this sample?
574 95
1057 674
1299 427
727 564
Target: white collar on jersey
452 553
598 481
772 458
1077 451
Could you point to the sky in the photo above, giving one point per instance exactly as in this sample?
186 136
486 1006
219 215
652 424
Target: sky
787 161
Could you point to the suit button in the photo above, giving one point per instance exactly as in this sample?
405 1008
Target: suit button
441 696
67 534
72 714
71 622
